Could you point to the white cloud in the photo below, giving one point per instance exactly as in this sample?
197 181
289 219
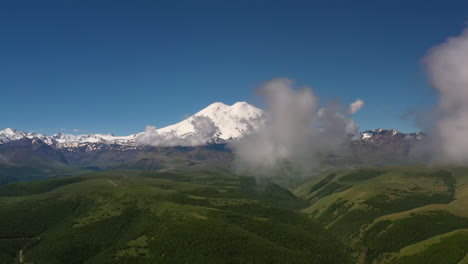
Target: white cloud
205 131
356 106
295 131
447 66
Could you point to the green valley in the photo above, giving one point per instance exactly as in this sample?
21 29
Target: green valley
408 214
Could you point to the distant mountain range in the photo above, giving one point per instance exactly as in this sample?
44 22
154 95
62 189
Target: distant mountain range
232 123
28 155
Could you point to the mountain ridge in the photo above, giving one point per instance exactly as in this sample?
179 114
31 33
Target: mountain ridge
232 122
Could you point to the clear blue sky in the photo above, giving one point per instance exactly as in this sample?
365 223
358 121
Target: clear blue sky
117 66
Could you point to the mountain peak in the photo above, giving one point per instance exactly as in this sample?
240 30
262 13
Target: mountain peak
230 120
248 109
217 105
241 104
9 131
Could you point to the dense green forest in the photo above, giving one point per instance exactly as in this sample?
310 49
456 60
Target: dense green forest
409 214
160 217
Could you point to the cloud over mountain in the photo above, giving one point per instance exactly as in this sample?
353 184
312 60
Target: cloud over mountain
295 131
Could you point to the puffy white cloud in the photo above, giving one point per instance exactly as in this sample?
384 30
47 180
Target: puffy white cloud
356 106
447 66
295 131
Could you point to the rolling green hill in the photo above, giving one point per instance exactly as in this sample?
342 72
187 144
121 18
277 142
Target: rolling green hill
409 214
203 216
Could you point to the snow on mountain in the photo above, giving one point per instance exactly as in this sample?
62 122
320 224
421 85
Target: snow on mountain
366 135
379 135
93 142
232 121
10 134
65 140
91 138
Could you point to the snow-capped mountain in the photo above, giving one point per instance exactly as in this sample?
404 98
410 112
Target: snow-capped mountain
187 142
231 122
93 142
61 140
379 136
10 134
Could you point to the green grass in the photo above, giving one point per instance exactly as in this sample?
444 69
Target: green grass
323 182
362 175
450 249
329 189
422 245
391 236
379 211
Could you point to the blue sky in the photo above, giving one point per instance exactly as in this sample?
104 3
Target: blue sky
117 66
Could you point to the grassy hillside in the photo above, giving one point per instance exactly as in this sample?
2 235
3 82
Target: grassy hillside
408 214
202 216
